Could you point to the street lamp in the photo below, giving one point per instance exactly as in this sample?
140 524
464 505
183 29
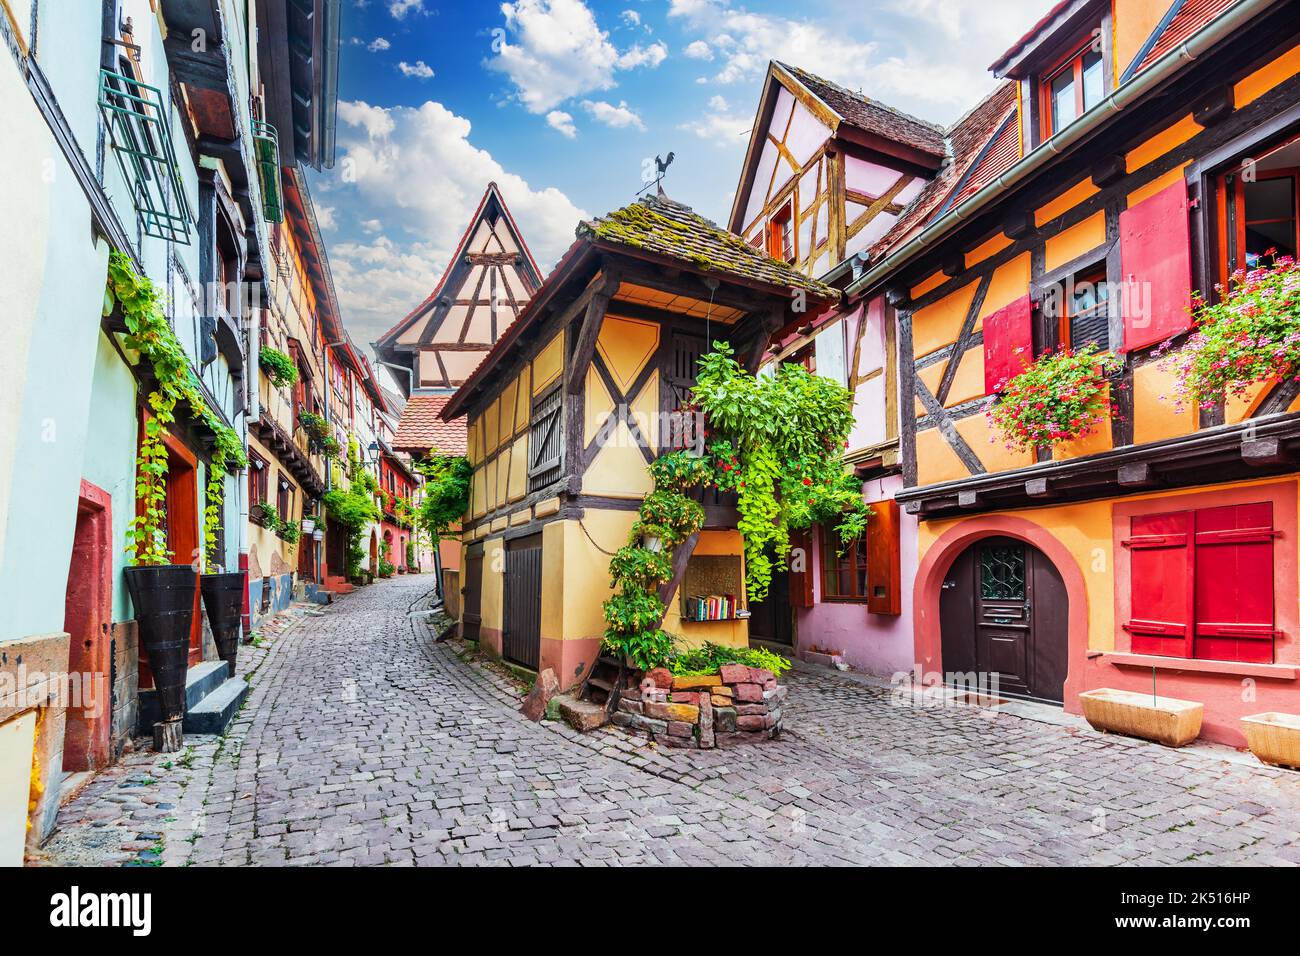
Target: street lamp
374 452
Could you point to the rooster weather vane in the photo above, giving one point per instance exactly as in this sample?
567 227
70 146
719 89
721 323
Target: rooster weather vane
661 167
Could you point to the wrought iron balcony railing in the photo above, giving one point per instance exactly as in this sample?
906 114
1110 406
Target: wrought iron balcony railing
139 129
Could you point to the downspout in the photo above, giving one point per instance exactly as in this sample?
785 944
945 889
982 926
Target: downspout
1161 70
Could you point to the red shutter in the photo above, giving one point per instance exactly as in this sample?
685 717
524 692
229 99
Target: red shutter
884 595
801 582
1156 260
1008 343
1234 583
1161 576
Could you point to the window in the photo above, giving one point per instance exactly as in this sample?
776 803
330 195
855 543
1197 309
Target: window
284 499
1202 583
546 440
1085 311
844 576
1072 88
257 478
828 350
1259 207
780 235
868 571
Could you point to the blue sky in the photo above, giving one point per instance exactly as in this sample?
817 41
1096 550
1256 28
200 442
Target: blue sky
562 102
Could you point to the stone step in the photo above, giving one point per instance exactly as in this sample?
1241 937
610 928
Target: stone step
200 681
581 715
214 712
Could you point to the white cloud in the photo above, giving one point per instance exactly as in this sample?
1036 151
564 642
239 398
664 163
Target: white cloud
378 45
637 55
631 18
617 117
555 50
562 121
698 50
416 171
372 226
419 69
720 125
927 56
325 217
400 8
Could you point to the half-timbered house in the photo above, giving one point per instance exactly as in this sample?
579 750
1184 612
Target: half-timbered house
827 175
1136 151
576 399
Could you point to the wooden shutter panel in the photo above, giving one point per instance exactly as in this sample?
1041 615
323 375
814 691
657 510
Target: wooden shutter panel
1008 343
546 440
801 582
884 594
1156 259
1161 581
1234 583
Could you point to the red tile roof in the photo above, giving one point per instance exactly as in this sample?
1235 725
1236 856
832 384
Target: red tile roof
421 428
870 115
977 158
1193 15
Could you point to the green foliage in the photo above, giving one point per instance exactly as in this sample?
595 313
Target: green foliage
411 563
1251 335
669 515
386 569
150 334
708 657
446 494
279 368
351 509
639 567
290 531
269 516
1057 398
778 443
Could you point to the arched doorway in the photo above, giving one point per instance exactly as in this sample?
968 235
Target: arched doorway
1004 609
374 551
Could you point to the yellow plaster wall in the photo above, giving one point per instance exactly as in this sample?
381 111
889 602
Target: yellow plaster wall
1075 241
1155 416
523 399
1240 407
494 562
586 571
968 381
517 483
935 459
928 284
626 345
1134 20
549 363
597 407
645 411
1076 194
695 633
939 324
619 468
990 247
989 446
1163 142
1010 282
1264 79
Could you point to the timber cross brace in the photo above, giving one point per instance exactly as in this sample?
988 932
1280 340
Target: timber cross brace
600 292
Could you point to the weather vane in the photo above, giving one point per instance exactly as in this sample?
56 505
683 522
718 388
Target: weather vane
661 167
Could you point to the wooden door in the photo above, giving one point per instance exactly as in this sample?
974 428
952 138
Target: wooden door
521 640
771 619
472 593
1003 610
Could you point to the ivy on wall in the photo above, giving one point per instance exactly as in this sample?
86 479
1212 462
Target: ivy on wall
150 334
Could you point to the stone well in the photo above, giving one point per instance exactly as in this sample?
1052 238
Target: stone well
739 704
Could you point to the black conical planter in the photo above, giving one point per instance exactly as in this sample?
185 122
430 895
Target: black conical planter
164 611
223 598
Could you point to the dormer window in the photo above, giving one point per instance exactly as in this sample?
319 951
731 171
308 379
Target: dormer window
1072 88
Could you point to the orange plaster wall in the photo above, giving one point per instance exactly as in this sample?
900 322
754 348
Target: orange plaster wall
1075 241
1134 20
1264 79
989 247
1080 539
1155 414
1010 281
939 324
1066 201
1163 142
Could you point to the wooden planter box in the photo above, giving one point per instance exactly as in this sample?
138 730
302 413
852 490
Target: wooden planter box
1274 738
1166 720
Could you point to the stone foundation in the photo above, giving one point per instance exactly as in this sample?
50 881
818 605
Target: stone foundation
737 705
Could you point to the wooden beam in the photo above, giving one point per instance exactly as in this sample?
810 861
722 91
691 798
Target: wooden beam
585 345
1215 106
1263 451
1110 169
1135 475
968 498
681 557
1039 488
1019 224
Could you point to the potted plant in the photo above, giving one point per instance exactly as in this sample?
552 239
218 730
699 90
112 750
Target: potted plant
308 524
1165 720
279 368
1057 398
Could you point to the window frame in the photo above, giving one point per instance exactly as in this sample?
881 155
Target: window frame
780 233
856 557
1036 81
258 479
1097 276
1230 232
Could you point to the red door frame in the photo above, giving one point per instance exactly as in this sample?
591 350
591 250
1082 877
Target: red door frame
182 531
88 619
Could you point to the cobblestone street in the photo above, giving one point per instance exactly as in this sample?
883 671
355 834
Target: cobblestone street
363 742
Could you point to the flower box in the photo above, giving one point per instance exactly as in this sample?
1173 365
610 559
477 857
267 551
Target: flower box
1274 738
1166 720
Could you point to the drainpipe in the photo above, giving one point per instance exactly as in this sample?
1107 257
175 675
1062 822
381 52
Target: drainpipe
1164 68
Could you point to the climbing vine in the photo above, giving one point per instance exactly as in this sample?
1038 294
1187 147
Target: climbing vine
778 444
149 333
446 494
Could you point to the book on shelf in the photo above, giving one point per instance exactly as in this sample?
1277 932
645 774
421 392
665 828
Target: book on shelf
711 607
